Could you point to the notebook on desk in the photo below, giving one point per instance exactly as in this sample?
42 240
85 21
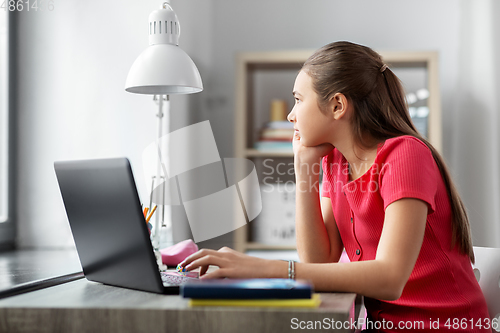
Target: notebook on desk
108 226
248 289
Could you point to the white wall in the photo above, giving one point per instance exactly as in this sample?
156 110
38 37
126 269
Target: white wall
74 62
72 104
476 119
195 17
4 120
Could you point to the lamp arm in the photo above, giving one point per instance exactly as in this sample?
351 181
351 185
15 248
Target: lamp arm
156 231
163 154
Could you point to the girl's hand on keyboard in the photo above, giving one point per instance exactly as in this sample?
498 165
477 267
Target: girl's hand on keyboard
234 264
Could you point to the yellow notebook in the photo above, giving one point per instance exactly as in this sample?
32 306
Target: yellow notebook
312 302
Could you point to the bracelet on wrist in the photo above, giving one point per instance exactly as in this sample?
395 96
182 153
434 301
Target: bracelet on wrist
291 269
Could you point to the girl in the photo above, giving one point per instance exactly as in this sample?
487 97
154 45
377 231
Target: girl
387 199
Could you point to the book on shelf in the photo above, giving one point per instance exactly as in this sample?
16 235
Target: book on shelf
247 289
275 136
282 124
273 145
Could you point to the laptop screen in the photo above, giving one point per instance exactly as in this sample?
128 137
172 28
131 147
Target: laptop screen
105 216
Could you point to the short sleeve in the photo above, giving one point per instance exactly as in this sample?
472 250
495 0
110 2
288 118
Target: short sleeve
409 171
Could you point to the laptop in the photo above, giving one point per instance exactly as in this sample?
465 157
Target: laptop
109 228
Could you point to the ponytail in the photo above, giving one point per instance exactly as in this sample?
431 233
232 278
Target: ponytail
461 232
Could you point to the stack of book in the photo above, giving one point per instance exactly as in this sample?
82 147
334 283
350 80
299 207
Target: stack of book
276 135
251 292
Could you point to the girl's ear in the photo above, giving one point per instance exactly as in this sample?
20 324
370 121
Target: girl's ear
338 105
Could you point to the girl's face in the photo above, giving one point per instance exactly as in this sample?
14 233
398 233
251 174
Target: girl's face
313 125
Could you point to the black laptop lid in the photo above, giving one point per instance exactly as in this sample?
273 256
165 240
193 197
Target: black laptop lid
107 223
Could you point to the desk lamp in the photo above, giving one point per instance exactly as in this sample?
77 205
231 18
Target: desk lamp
163 69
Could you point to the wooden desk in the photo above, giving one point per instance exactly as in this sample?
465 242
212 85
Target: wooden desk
83 306
26 270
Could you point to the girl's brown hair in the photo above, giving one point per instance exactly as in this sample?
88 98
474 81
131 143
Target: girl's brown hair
380 110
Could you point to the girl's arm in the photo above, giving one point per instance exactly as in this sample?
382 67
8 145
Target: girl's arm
318 238
397 252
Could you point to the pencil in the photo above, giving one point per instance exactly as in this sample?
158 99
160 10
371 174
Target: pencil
151 214
146 212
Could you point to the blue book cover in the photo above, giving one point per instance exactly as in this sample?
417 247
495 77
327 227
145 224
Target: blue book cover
274 145
247 289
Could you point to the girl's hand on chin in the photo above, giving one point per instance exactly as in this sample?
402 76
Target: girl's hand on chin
308 154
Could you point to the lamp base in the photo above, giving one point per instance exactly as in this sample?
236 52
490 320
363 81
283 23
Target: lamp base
161 266
163 239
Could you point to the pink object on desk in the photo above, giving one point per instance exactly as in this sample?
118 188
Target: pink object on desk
173 255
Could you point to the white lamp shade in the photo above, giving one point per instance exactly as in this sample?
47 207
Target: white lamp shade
163 69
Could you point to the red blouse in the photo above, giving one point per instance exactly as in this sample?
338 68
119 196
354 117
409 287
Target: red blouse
442 289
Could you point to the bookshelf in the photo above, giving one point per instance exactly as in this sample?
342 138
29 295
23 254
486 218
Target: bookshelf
263 76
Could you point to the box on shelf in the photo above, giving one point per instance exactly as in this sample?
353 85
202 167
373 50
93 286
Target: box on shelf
276 223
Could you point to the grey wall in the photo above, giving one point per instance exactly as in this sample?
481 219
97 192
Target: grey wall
74 61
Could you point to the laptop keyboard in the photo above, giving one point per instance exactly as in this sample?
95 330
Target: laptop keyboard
175 278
